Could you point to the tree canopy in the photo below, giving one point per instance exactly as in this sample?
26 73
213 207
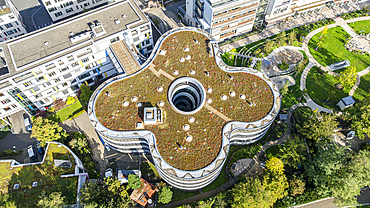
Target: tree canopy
322 127
293 152
348 77
47 130
133 182
339 173
360 117
165 195
54 200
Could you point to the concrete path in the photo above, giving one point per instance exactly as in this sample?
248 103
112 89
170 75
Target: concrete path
83 124
280 81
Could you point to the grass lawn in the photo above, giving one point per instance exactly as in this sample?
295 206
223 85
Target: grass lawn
332 50
66 112
320 88
149 172
361 26
46 175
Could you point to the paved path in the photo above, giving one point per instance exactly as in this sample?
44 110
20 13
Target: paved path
280 80
83 124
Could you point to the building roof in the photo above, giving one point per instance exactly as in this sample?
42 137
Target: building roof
348 100
47 44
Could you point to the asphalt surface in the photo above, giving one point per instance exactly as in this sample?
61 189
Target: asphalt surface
33 13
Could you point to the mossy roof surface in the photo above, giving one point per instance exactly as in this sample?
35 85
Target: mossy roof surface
207 128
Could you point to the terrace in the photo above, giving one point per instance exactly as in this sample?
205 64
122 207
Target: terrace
193 115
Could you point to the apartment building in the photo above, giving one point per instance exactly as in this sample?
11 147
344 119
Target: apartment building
222 18
51 63
279 10
11 22
62 9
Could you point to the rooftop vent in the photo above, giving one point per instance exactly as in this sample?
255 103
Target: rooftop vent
123 16
117 21
46 43
80 36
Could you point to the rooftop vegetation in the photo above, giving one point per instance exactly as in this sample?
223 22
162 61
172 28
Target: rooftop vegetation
46 175
207 128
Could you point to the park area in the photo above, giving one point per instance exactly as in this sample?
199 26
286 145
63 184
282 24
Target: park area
321 86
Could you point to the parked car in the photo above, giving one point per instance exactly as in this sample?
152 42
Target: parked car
27 123
31 152
108 172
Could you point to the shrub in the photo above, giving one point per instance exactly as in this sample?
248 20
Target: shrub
70 100
51 110
59 104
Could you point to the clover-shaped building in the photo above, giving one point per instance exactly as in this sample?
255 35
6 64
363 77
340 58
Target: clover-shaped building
185 107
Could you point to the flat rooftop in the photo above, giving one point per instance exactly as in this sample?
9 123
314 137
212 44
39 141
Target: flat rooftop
235 97
47 44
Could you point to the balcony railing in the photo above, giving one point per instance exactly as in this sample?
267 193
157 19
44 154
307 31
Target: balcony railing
237 17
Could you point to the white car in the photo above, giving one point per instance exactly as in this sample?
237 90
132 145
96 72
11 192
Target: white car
351 135
108 172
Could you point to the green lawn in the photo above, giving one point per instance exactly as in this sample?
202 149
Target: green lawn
361 26
320 88
66 112
332 50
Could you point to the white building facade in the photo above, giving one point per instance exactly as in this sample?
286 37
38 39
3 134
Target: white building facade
223 19
52 63
62 9
11 22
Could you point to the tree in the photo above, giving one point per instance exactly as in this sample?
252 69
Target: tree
285 87
269 46
254 192
281 38
324 31
293 152
70 100
348 77
165 195
133 182
337 172
79 142
85 95
297 186
46 130
300 67
275 165
315 129
360 117
292 37
54 200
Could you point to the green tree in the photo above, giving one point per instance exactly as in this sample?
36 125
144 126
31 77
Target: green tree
165 195
337 172
292 37
269 46
70 100
284 90
324 31
46 130
255 192
297 186
281 38
348 77
54 200
85 95
316 128
360 117
293 152
79 142
300 67
133 182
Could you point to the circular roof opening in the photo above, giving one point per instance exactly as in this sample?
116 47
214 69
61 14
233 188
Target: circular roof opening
186 95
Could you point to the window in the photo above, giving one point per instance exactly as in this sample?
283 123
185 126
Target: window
57 14
51 9
114 39
85 60
38 95
39 79
64 84
5 101
69 10
63 69
84 76
51 74
67 76
147 42
27 84
1 94
10 32
46 100
14 106
136 39
7 108
70 58
8 25
96 71
74 87
74 64
48 3
11 17
57 80
149 48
